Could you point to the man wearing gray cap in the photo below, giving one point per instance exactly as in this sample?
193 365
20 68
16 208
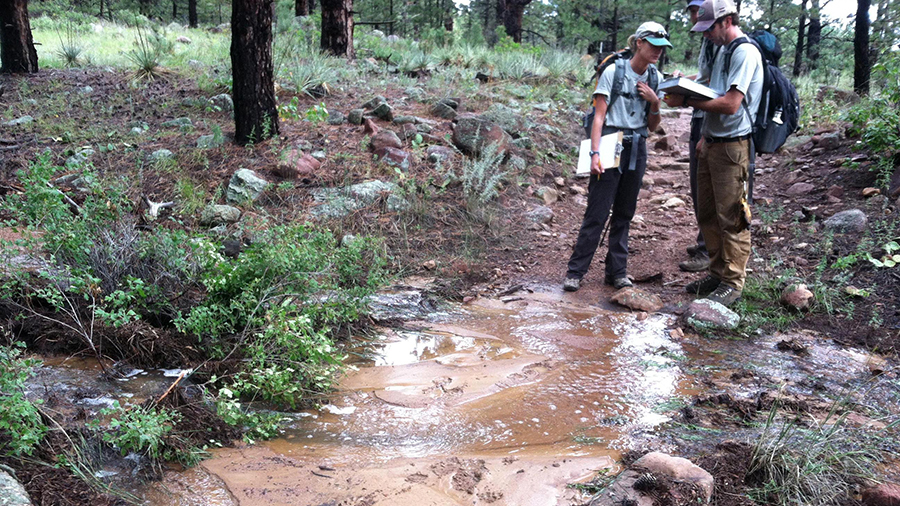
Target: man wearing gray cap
724 151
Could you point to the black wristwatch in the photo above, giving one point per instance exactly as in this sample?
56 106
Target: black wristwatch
592 153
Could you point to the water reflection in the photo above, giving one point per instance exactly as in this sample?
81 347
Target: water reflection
539 379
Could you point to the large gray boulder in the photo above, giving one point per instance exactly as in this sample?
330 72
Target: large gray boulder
215 215
852 221
339 202
12 493
244 186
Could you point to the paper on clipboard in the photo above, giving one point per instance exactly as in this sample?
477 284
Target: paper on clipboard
610 152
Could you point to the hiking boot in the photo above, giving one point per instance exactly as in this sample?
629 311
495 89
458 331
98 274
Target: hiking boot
725 295
703 287
697 263
572 284
619 283
692 250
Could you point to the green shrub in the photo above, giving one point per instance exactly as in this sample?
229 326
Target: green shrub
20 420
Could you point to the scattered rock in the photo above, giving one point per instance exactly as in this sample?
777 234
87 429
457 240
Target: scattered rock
540 214
673 202
846 96
297 165
797 296
24 120
223 101
438 154
829 141
12 493
182 39
430 265
657 478
215 215
637 300
708 314
835 191
550 195
665 143
394 157
244 186
385 139
209 141
851 221
870 192
798 189
355 117
384 111
884 494
335 117
472 133
161 155
178 122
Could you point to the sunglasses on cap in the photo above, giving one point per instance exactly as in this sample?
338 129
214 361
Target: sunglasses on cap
656 35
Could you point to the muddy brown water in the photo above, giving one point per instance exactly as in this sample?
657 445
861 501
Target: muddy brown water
497 402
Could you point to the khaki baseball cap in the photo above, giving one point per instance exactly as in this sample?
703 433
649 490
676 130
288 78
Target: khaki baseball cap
710 11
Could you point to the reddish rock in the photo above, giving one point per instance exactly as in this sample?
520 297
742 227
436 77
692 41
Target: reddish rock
797 296
798 189
665 143
472 133
885 494
297 166
369 127
394 157
835 191
385 139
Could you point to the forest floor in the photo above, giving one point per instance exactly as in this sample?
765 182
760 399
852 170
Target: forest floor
498 251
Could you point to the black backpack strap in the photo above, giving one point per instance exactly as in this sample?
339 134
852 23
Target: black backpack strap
618 82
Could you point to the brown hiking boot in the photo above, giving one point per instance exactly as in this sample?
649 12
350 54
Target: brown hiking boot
725 295
697 263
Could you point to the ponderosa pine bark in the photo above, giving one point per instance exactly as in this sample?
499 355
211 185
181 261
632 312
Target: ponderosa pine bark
862 67
253 71
510 12
301 8
192 13
17 52
337 27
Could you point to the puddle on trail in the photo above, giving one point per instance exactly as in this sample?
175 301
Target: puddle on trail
537 378
522 397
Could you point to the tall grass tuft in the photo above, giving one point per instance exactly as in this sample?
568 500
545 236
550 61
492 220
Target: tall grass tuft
69 49
816 465
481 176
146 55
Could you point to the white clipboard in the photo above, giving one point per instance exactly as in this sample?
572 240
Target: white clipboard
610 153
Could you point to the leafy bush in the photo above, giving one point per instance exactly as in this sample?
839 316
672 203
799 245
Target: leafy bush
20 421
146 430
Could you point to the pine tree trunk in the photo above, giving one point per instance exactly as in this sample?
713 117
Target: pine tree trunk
814 36
17 52
253 75
192 13
801 35
337 27
174 10
862 68
301 8
509 12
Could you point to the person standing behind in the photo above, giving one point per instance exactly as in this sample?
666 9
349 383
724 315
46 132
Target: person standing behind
699 256
724 151
634 112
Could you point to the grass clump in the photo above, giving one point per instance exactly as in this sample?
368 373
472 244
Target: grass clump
821 464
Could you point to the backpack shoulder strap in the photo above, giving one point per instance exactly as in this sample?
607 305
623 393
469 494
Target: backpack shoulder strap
618 82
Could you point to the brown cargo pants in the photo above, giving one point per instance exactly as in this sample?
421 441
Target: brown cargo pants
721 174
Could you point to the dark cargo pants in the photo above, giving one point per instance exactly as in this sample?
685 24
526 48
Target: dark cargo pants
618 191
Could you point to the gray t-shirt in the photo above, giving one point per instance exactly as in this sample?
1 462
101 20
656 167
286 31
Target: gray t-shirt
630 110
704 63
745 74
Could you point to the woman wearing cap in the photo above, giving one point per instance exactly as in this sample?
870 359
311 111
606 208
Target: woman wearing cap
634 111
